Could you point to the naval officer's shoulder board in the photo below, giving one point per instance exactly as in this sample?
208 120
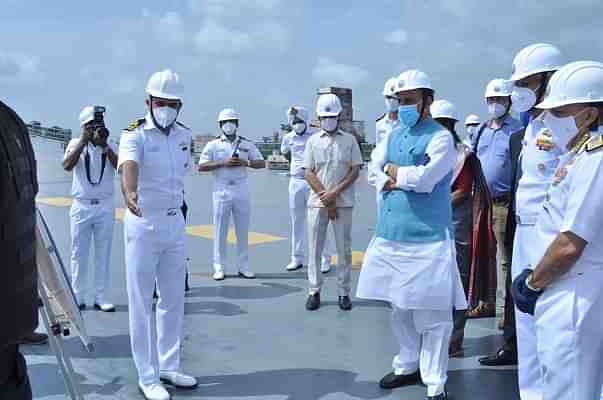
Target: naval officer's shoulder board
595 143
134 125
381 117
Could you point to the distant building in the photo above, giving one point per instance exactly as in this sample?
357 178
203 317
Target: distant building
199 142
35 128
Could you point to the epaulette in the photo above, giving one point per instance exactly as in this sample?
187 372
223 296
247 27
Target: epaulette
182 125
594 143
381 117
135 124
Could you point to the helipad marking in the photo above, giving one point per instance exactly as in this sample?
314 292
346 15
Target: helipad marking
357 259
207 232
56 201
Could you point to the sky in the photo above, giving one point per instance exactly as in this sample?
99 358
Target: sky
260 56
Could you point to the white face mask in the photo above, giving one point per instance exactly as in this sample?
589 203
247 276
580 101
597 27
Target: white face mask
328 124
229 128
471 130
523 99
496 110
563 129
299 128
391 104
165 116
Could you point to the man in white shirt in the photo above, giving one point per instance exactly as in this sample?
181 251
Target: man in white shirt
228 158
93 160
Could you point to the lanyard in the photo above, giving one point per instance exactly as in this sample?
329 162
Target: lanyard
87 164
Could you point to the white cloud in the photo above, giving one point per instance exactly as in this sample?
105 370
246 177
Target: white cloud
217 39
19 68
328 72
397 37
235 8
170 27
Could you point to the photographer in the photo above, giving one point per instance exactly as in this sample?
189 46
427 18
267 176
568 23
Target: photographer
93 160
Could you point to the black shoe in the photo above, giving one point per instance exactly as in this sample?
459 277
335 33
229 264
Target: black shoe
500 358
392 381
34 338
441 396
313 302
345 303
186 285
82 306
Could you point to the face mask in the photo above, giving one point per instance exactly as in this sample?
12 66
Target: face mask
299 128
523 99
229 128
328 124
165 116
496 110
408 115
391 104
563 129
471 130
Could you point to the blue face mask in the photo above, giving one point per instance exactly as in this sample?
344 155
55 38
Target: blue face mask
408 115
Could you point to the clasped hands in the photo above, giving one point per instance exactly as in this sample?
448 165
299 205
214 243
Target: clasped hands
329 198
391 170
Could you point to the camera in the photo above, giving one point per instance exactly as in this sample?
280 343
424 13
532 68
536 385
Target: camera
98 123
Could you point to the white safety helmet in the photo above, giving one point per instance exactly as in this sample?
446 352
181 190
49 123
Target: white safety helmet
328 105
166 85
390 87
541 57
499 88
299 112
444 109
228 114
576 83
472 119
86 115
413 79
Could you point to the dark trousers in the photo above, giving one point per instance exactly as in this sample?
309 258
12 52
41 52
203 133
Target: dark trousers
14 382
509 334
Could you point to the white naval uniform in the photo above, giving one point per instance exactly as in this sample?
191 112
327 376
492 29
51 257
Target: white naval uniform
92 216
420 280
299 191
231 196
154 245
537 170
383 127
568 317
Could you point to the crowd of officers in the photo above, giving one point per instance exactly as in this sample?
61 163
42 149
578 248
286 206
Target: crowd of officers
510 212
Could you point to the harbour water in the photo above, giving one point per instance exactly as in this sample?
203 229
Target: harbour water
251 339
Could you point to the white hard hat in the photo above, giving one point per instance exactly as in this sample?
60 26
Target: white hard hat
390 87
444 109
541 57
86 115
328 105
575 83
165 85
472 119
499 88
413 79
228 114
299 112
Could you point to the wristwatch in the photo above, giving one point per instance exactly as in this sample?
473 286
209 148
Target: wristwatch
530 286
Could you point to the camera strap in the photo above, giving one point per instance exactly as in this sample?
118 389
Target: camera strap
87 165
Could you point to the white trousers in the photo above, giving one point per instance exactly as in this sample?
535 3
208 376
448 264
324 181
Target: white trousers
231 200
299 191
569 331
423 336
91 222
154 247
529 370
318 222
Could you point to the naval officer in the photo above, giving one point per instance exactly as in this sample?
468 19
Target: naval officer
228 157
411 261
154 156
563 286
294 144
93 159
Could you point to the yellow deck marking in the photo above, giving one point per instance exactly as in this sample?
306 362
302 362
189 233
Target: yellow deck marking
357 258
119 213
56 201
207 232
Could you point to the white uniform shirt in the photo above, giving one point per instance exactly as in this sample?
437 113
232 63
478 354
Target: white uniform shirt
573 204
81 188
296 144
162 159
221 149
330 157
383 127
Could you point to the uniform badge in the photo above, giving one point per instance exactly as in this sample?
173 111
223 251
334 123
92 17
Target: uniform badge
544 140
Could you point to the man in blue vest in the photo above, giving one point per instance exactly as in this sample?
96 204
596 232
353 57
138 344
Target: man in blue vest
411 262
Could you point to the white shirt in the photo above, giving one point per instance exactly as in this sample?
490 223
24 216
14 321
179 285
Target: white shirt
330 157
81 188
296 144
221 149
383 127
162 159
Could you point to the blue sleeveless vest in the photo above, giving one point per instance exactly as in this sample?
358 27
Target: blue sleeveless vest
408 216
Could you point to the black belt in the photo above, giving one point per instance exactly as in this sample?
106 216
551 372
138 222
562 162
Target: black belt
502 198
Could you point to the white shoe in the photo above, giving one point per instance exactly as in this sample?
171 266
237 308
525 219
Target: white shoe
178 380
219 275
293 266
154 391
102 306
325 267
247 274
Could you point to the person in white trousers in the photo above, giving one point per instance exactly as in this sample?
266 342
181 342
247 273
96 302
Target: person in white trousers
93 160
154 156
294 144
563 286
228 158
